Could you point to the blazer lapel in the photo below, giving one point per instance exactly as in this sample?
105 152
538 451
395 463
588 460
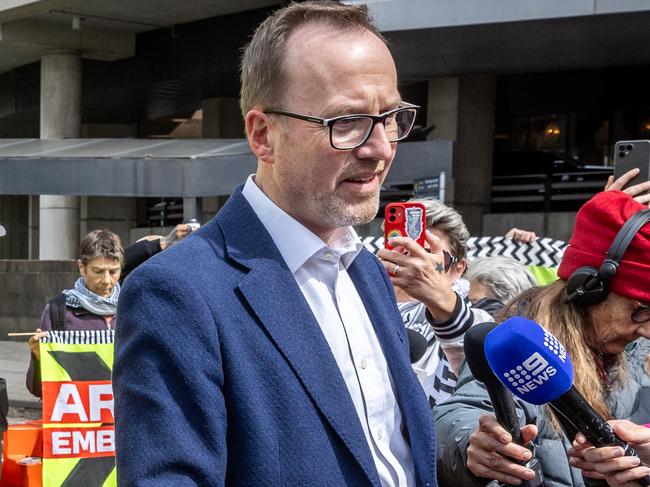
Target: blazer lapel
279 305
386 320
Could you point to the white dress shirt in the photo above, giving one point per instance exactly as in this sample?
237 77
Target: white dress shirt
321 273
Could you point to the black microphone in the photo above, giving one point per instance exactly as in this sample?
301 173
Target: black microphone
535 366
500 397
417 345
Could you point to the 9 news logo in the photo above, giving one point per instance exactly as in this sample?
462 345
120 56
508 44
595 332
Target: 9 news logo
532 373
554 345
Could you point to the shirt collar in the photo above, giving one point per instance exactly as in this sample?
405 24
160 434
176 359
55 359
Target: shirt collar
296 243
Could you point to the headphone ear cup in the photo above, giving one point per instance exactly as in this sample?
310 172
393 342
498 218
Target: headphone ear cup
585 287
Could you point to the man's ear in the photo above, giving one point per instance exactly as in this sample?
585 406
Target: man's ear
257 131
82 268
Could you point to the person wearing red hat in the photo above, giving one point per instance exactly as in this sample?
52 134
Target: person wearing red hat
601 313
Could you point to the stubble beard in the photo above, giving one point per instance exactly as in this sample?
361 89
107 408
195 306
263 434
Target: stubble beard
338 212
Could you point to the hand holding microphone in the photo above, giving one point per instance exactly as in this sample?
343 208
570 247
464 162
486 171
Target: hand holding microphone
610 463
534 365
496 449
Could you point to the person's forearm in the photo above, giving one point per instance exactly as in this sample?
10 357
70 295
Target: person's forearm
460 319
442 306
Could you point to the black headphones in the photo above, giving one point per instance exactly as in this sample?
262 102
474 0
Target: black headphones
587 285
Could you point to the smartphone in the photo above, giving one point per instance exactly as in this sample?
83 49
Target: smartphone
629 154
405 220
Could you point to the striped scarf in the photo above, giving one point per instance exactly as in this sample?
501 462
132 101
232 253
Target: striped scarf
82 297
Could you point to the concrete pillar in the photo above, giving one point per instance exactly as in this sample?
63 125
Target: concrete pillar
192 208
33 228
462 109
59 233
60 118
221 119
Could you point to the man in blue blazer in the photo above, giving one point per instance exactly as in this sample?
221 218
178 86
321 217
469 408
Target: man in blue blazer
266 348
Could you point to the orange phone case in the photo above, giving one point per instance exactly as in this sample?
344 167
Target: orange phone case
405 220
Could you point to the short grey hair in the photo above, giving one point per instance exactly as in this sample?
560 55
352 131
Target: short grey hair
101 243
448 220
263 73
503 277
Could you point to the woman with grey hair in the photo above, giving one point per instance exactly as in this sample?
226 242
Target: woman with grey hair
432 295
495 281
91 304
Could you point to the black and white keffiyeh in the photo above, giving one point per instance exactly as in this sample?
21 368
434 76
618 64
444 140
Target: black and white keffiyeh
82 297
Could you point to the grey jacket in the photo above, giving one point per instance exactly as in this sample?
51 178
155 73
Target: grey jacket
457 418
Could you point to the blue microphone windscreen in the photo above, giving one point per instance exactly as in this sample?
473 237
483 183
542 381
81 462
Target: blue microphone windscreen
529 360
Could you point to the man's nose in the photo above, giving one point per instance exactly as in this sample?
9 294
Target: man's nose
377 145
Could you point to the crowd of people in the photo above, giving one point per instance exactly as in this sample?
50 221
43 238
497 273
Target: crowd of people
270 347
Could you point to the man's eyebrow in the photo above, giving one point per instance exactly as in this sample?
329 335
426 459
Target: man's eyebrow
351 109
348 109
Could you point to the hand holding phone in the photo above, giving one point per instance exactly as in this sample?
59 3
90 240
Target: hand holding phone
629 155
405 220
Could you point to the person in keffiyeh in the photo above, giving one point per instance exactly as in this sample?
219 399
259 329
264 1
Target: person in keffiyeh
90 304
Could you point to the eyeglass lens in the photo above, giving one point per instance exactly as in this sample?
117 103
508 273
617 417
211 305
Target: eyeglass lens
350 132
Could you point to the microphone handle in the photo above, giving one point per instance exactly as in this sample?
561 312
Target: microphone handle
506 414
588 421
504 409
591 424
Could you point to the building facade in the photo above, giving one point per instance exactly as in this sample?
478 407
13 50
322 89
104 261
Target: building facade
491 76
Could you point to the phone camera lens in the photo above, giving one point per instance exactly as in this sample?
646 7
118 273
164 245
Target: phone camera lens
393 210
621 155
629 147
391 219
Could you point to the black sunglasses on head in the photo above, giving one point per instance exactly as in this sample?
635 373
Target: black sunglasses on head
448 259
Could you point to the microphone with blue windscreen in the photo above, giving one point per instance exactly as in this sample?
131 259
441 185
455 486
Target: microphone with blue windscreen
535 366
528 360
500 397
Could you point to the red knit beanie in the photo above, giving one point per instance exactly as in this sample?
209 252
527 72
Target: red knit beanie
597 224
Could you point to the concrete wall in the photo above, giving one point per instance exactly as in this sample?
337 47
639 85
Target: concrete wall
14 212
462 108
394 15
119 215
553 225
25 288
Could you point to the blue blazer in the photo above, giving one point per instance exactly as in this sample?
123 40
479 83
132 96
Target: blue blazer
223 377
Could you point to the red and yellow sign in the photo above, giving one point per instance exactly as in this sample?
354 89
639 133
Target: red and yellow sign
78 421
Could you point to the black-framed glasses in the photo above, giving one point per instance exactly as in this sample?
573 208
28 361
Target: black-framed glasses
641 314
348 132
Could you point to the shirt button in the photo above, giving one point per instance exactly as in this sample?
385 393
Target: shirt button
364 363
380 435
328 255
